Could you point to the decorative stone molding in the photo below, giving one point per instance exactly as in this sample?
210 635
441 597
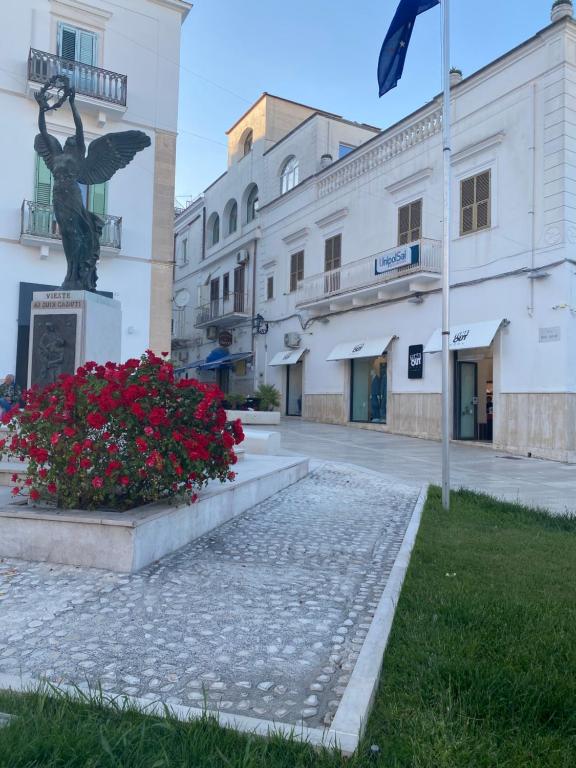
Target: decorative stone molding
332 218
477 147
379 152
408 181
561 9
294 237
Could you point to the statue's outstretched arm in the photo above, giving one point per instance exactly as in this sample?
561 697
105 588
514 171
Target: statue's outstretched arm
80 143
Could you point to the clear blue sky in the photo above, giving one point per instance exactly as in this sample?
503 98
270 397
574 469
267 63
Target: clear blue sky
323 53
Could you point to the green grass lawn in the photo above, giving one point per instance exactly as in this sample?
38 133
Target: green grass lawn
480 671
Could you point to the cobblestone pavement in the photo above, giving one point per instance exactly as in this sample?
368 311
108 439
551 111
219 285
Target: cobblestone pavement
265 616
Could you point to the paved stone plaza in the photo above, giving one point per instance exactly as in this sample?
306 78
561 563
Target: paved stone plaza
263 617
535 482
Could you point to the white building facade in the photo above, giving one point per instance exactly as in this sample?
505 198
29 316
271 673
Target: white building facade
353 255
122 58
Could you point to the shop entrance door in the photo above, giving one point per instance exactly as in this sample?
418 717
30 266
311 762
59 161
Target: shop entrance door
466 400
294 389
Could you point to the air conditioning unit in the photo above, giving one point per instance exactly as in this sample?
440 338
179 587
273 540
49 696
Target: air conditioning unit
212 332
242 257
292 340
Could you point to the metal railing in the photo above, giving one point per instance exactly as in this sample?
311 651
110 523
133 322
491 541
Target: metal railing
38 220
86 79
217 309
362 273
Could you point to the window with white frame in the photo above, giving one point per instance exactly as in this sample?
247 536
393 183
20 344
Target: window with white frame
77 44
183 252
269 287
289 175
475 203
252 204
410 222
296 269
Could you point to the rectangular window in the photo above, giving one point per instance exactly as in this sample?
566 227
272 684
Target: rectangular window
270 287
296 270
183 252
215 297
344 149
332 263
410 222
226 286
239 285
475 202
43 190
97 198
77 44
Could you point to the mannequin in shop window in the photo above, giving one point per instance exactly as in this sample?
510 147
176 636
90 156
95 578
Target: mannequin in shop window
375 396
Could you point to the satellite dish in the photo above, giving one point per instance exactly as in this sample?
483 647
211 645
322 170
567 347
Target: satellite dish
182 298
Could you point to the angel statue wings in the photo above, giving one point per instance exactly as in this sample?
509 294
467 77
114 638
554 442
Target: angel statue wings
80 229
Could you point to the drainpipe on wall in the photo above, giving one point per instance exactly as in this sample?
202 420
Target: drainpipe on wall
203 232
254 309
532 188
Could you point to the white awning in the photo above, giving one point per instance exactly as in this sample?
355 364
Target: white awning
470 336
287 357
367 348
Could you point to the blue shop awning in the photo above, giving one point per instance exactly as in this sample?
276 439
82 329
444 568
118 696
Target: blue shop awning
213 361
218 358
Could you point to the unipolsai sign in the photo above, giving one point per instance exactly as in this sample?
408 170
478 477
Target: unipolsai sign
405 256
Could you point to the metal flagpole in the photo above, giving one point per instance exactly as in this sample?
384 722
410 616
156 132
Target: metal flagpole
446 260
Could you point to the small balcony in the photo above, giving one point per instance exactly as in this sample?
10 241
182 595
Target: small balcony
223 312
40 228
105 91
376 277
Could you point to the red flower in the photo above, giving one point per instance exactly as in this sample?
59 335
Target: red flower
85 463
42 472
112 448
34 494
69 431
52 488
124 480
141 444
70 470
97 482
96 420
54 438
148 431
15 491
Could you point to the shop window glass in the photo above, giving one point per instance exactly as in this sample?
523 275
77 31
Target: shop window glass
369 389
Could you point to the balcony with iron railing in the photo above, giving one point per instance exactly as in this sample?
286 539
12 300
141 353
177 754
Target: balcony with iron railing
224 311
374 277
39 227
109 89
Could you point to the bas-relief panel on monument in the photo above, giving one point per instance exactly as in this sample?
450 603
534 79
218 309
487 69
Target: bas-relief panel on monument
54 347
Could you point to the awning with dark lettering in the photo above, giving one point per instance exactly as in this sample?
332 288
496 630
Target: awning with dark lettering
287 357
350 350
470 336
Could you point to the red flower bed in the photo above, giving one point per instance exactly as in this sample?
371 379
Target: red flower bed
120 436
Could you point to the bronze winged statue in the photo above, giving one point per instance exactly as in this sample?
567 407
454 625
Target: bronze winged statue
80 229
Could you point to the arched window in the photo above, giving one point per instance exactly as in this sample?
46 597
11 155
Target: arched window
233 218
213 229
248 142
289 175
252 204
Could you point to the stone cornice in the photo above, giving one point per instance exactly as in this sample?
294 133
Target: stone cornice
408 181
479 146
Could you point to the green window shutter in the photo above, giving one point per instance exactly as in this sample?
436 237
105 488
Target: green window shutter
43 191
98 198
67 42
86 48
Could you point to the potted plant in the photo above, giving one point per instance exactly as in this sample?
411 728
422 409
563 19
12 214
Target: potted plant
268 397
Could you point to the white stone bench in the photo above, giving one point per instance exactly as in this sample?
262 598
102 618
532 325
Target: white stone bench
256 441
265 418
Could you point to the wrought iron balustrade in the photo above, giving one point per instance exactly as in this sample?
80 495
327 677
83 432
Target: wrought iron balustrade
38 220
362 274
221 308
87 80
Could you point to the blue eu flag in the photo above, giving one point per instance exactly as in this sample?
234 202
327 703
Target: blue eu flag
393 53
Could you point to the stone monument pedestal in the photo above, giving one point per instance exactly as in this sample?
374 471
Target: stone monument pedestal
70 328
